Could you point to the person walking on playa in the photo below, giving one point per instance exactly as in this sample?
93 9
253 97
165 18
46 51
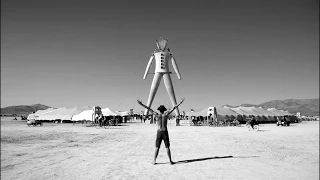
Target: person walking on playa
162 132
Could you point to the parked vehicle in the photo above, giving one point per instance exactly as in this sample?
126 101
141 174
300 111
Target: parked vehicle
283 122
252 124
34 123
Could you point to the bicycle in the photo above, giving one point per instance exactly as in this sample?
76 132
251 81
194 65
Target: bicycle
235 123
102 123
255 127
106 124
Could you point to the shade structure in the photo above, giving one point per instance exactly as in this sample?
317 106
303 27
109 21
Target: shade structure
250 111
269 115
37 113
203 113
242 112
263 111
63 113
109 112
123 113
286 113
275 111
45 111
246 112
226 114
84 115
225 111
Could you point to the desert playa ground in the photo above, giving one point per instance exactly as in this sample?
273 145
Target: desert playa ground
67 151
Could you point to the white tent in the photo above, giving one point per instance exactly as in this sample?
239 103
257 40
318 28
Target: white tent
63 113
226 111
285 113
268 114
275 111
203 113
223 112
109 112
84 115
87 114
36 114
243 112
123 113
264 112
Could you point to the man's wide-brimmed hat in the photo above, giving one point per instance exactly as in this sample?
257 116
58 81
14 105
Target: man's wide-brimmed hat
162 108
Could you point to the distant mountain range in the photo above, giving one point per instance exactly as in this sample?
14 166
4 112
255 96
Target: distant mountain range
309 107
22 109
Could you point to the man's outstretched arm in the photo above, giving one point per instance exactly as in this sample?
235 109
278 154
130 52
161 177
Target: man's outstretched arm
176 106
140 102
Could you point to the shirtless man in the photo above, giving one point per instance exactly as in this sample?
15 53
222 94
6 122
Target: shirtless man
162 132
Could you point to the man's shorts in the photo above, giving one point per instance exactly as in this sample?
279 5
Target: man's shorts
162 135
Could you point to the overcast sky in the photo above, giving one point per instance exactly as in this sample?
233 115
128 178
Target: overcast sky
77 53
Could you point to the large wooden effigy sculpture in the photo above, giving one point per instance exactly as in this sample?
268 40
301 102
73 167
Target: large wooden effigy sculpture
162 56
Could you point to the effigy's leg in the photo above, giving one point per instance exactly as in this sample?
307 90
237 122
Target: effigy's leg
170 90
153 90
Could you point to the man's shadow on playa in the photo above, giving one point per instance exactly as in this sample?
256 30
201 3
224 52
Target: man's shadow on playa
209 158
262 130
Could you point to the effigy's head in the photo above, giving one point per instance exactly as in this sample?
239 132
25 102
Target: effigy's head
162 108
162 43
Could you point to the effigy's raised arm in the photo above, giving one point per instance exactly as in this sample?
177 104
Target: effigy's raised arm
176 106
152 111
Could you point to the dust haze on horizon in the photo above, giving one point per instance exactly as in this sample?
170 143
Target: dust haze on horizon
75 53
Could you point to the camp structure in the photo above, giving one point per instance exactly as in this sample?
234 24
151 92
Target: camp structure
244 115
246 111
277 112
270 117
84 115
202 113
259 113
260 116
62 114
87 114
241 113
223 113
281 114
35 115
109 112
123 113
199 115
207 113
